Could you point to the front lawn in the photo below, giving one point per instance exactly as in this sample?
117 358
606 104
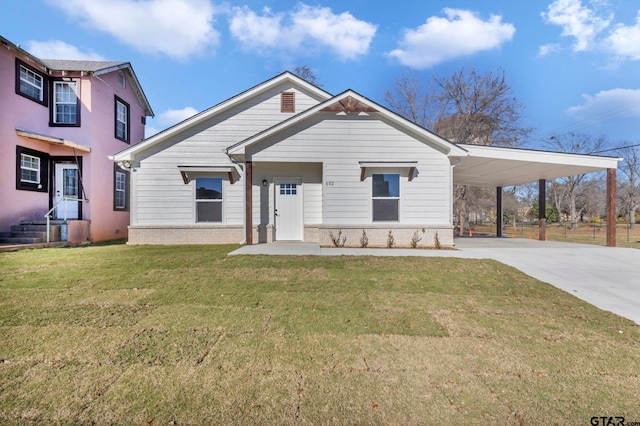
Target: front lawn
115 334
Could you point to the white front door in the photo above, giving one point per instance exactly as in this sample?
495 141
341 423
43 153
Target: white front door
66 187
289 207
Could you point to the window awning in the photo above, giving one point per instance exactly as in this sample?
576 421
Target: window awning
411 165
188 172
52 140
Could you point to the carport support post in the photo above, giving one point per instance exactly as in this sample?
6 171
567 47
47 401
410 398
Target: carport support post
248 203
542 209
611 207
499 212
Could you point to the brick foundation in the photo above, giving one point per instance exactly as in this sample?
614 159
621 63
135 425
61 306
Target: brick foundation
378 235
200 234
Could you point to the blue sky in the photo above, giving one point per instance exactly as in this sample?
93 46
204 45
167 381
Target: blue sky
573 64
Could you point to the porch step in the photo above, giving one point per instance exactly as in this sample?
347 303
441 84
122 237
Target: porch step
20 240
43 222
31 232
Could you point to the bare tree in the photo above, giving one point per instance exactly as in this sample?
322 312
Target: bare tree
575 187
464 107
479 108
411 97
557 194
307 74
629 184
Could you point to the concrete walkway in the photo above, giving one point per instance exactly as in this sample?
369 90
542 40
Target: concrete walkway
606 277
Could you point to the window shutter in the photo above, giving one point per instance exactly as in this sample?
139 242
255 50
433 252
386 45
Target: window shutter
287 102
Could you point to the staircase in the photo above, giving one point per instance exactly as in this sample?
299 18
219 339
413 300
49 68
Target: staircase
32 232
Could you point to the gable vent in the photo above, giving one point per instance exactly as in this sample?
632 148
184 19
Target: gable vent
288 102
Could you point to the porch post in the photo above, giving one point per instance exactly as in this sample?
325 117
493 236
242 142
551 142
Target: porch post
499 212
611 207
248 203
542 209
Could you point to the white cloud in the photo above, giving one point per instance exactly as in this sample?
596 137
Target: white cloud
177 28
303 29
577 21
57 49
460 33
167 119
546 49
607 105
625 40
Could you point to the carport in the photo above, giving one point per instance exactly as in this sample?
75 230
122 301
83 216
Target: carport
498 167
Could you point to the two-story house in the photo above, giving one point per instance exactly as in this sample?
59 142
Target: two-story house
59 122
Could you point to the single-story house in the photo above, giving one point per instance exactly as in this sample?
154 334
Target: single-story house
288 161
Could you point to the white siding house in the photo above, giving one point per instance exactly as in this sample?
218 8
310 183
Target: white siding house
319 165
287 161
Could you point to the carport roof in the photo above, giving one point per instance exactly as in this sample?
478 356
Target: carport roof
495 166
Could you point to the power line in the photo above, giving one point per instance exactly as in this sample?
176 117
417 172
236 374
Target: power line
616 149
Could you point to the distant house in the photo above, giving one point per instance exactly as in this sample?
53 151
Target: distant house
59 123
287 161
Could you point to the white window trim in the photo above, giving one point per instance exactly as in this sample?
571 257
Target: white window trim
23 167
37 77
122 118
196 200
122 190
399 198
74 86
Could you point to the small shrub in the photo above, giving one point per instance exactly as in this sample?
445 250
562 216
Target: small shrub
364 240
338 240
390 240
415 240
436 241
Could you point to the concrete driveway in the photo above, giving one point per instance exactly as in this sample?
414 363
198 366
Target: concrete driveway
606 277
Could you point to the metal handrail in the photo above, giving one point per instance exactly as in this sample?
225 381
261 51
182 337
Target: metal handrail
48 215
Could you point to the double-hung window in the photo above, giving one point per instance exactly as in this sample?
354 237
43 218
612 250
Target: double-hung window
209 199
65 103
30 83
32 169
122 120
120 189
386 197
29 169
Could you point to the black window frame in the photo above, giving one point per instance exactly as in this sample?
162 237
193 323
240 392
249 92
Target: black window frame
45 83
52 103
127 138
43 185
127 188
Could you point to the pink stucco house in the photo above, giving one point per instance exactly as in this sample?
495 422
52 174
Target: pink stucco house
60 121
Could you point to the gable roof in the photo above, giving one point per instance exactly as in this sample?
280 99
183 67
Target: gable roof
99 68
73 65
129 153
348 102
96 68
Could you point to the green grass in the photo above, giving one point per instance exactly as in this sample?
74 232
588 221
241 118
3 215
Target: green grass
113 334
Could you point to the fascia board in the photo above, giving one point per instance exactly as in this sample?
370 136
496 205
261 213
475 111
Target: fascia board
550 157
